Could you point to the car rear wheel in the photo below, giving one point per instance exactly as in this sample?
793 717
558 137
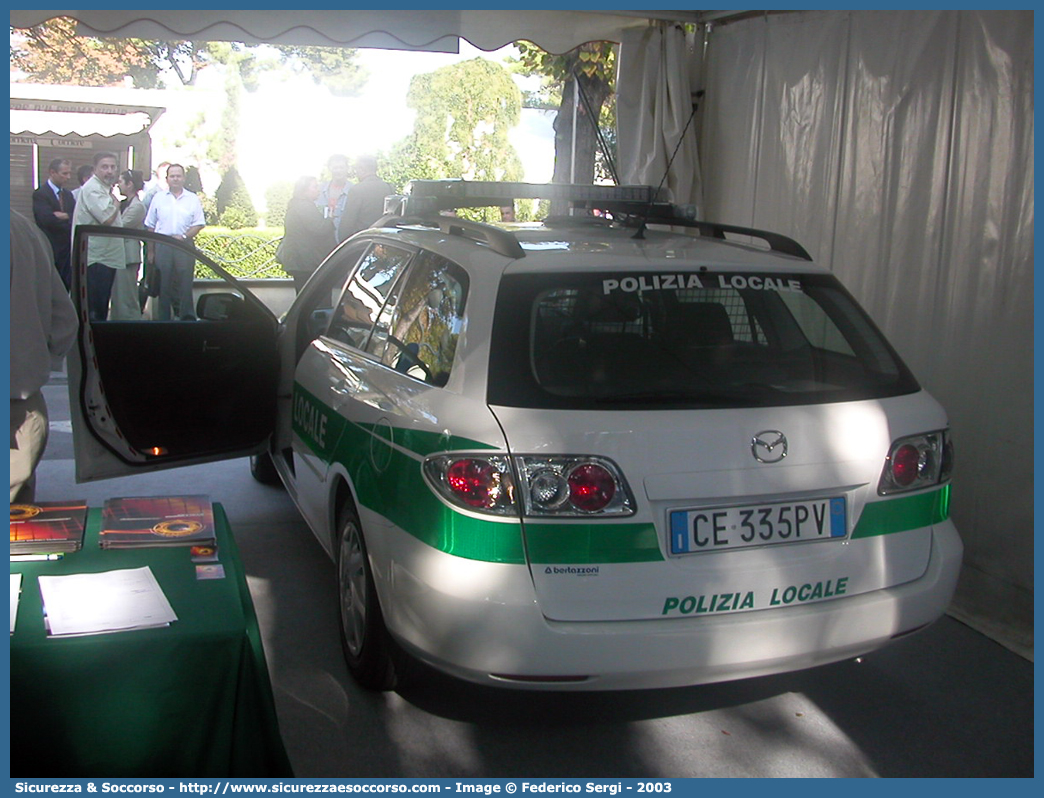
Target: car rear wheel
364 638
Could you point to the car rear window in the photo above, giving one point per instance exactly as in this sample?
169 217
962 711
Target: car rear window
690 339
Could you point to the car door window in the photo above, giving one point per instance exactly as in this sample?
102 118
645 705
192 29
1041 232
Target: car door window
317 301
421 329
366 294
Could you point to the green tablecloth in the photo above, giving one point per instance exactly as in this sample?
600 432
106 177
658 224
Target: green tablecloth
191 699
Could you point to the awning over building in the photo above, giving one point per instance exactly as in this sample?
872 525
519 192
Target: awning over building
44 127
40 114
63 123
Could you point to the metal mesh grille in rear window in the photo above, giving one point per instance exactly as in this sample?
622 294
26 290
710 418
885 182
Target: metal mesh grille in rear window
744 328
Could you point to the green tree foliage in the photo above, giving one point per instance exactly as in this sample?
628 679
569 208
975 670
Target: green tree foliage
244 252
210 212
277 197
194 141
591 66
332 67
52 52
234 206
223 147
407 161
464 112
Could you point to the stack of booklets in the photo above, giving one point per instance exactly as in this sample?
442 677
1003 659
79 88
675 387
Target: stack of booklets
47 527
145 521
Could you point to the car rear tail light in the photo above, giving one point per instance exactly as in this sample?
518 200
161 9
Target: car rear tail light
564 486
907 464
591 487
917 461
572 486
474 482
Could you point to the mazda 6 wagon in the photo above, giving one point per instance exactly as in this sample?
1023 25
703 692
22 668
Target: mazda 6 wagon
623 448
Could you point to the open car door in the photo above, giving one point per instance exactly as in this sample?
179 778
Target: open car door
173 385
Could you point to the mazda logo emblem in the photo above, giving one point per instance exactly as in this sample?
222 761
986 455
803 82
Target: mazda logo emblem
769 446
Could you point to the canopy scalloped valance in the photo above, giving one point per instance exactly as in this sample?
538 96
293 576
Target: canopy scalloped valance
414 29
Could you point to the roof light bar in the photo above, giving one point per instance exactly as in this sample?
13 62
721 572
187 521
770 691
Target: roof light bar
629 205
430 196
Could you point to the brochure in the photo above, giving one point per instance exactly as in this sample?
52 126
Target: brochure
47 527
157 521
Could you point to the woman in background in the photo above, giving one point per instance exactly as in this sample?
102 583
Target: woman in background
125 303
308 237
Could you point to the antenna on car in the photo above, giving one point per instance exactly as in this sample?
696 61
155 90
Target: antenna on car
640 232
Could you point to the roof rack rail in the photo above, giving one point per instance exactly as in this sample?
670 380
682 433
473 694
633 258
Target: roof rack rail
503 242
683 216
500 241
776 241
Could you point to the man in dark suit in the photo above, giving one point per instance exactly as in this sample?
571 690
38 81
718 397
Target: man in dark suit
52 211
365 203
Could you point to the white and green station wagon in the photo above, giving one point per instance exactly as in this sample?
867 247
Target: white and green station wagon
619 449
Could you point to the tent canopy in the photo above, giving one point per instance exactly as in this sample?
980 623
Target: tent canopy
641 117
414 29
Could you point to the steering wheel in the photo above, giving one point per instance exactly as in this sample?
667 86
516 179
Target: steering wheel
411 358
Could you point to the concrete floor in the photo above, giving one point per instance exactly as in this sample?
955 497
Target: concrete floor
947 702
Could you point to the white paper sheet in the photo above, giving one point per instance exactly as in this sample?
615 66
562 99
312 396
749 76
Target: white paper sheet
16 590
107 602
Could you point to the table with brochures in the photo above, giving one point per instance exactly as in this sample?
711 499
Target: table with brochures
189 699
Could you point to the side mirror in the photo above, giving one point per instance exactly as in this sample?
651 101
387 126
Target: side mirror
221 306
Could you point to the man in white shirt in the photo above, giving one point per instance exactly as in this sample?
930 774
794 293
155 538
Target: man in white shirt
43 328
97 205
177 213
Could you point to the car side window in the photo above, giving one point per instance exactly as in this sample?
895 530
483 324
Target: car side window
418 333
366 294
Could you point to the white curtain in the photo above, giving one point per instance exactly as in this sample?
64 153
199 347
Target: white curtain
654 105
897 146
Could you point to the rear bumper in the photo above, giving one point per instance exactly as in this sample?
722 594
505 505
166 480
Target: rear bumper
483 625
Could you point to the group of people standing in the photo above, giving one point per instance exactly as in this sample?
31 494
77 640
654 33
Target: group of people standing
319 216
113 264
43 318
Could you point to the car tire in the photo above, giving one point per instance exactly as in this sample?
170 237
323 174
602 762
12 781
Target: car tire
263 469
368 649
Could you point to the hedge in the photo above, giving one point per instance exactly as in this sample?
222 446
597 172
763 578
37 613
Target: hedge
248 253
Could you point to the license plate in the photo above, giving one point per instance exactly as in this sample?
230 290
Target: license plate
721 528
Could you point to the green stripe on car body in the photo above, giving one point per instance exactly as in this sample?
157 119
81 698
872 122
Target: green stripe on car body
315 423
903 513
585 543
399 493
591 544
